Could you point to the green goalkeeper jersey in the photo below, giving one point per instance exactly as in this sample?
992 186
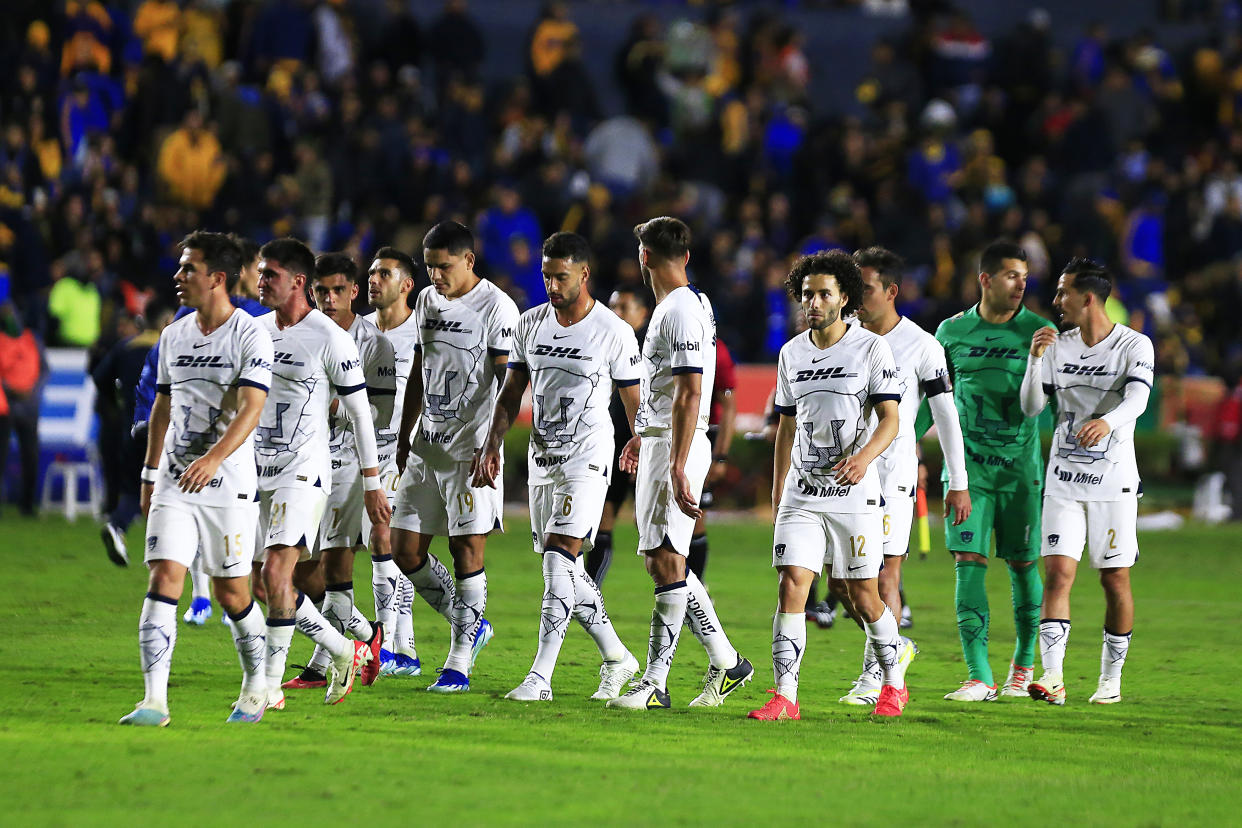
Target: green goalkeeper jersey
987 362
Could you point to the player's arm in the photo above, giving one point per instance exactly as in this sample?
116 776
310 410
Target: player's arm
411 407
949 431
687 391
783 455
508 403
1134 399
381 363
724 436
1034 393
157 426
250 400
358 410
850 470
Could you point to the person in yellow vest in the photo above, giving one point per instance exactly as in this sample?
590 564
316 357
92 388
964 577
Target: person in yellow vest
191 165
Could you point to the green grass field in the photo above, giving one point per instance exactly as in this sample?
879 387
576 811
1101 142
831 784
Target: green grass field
392 753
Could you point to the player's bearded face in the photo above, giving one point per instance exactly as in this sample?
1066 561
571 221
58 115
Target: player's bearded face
384 281
822 301
1068 303
563 280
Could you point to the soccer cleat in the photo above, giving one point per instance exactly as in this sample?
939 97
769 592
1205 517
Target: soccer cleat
907 618
1050 688
717 683
973 690
275 699
146 717
866 689
387 662
308 679
369 671
248 708
892 701
642 695
482 635
823 615
199 612
613 675
344 671
404 665
905 656
778 708
1017 681
450 681
114 544
1107 692
533 688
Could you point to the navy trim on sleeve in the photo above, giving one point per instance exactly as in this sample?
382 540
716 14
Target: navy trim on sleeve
518 366
625 383
252 384
787 410
1049 389
166 388
879 398
418 347
1136 379
495 352
346 390
687 369
936 385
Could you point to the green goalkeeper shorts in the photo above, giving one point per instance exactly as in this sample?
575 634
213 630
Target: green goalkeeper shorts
1012 516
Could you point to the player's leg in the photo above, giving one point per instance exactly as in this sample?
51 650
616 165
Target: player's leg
1064 534
393 592
618 664
969 544
172 545
599 558
419 514
1019 521
697 559
200 597
236 526
308 578
1113 539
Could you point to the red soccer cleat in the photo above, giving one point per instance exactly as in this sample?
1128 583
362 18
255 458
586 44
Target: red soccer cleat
776 709
370 671
306 680
892 701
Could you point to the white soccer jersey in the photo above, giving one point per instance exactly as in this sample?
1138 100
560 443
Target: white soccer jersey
572 371
201 375
830 393
681 339
460 340
312 358
921 372
404 339
1087 383
379 369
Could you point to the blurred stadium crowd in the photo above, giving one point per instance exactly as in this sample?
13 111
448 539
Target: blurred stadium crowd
354 124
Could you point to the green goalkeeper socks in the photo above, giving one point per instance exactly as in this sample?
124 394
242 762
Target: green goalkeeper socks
1028 596
972 618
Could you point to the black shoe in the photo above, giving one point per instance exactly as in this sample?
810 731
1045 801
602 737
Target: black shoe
114 544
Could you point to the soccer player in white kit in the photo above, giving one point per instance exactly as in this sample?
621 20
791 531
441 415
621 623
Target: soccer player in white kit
571 351
465 328
198 485
312 356
1099 373
827 498
329 574
390 280
671 455
921 374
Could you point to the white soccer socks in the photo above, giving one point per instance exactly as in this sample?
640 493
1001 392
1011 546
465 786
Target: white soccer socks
1113 655
666 621
559 597
469 604
403 636
250 639
385 577
435 585
313 625
885 638
788 647
157 636
706 626
1053 638
589 611
279 637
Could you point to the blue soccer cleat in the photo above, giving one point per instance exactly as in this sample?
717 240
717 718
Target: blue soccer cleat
248 709
450 681
388 662
404 665
146 717
199 612
482 635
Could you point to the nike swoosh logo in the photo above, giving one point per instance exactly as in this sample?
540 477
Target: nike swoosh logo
562 336
1115 554
233 564
201 345
991 338
462 523
817 361
561 523
860 566
1086 355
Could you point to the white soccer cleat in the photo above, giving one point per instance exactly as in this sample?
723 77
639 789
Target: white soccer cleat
973 690
276 699
1017 682
345 670
613 675
866 689
533 688
114 544
718 684
1108 691
906 651
249 708
642 695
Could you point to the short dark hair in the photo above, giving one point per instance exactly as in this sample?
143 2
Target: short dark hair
249 248
1089 277
219 251
330 264
993 256
292 254
642 295
567 246
452 236
835 263
404 259
887 264
666 237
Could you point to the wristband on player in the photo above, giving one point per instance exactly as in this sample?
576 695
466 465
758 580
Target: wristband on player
148 475
371 483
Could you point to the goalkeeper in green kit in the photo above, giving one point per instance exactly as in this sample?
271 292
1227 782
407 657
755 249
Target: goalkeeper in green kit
986 348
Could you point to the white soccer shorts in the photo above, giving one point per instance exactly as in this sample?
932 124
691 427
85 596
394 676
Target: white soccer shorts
569 507
849 544
341 526
290 517
441 501
898 517
1108 528
221 537
659 520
